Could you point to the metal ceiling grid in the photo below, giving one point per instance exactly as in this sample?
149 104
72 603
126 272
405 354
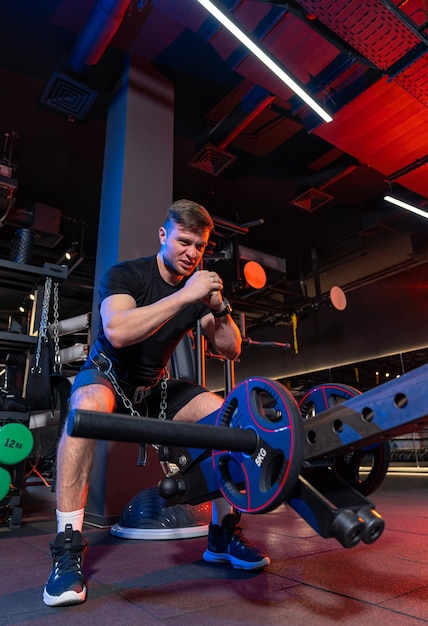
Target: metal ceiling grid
368 26
415 79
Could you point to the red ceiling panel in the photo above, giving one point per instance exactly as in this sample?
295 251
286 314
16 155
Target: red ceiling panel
148 44
301 50
417 180
415 79
248 16
186 12
416 10
384 127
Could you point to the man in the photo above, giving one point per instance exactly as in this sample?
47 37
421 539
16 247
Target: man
146 306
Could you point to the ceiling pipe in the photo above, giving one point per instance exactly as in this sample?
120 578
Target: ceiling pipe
251 105
246 121
324 178
97 34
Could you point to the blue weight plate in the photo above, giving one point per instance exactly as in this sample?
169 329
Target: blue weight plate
323 397
374 460
260 481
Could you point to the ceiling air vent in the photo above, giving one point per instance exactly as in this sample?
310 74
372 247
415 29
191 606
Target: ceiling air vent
212 160
311 200
68 96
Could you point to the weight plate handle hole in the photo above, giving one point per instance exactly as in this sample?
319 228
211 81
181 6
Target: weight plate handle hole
400 400
367 414
312 437
338 426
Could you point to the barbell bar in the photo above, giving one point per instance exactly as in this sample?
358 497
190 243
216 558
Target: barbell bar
126 428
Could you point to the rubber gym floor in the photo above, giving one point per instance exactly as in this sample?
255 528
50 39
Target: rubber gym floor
311 580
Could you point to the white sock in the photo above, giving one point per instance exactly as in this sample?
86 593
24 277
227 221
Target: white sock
75 518
219 509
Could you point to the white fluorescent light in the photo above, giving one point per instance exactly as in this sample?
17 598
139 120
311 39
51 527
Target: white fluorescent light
408 207
264 58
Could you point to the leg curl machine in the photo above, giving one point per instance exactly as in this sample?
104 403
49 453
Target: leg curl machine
258 452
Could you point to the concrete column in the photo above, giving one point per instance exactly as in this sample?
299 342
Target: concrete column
136 191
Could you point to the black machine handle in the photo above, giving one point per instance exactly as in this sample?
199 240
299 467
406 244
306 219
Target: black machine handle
118 427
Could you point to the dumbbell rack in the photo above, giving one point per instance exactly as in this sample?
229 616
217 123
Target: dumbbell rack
10 509
23 275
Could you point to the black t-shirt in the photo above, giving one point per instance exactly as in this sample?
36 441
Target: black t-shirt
142 363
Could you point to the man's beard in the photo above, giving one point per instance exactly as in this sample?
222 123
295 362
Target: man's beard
175 268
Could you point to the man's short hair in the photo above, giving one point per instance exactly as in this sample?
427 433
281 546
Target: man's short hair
189 215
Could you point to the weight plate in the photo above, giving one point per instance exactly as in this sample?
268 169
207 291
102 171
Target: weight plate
5 481
16 443
260 481
325 396
363 469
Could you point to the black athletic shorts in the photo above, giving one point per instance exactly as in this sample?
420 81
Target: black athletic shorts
179 393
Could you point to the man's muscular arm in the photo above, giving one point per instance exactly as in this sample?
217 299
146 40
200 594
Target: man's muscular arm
125 324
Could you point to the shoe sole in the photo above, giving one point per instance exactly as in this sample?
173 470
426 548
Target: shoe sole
65 599
210 557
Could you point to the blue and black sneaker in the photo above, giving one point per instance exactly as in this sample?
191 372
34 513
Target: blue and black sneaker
226 543
65 585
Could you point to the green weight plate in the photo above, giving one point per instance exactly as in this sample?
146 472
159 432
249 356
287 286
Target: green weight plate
5 480
16 443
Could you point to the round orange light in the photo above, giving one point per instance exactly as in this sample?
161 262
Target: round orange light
338 298
255 275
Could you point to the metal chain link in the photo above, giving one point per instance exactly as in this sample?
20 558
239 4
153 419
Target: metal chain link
164 398
126 401
43 327
57 358
167 467
128 405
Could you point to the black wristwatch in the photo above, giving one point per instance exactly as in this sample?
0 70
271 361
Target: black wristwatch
226 311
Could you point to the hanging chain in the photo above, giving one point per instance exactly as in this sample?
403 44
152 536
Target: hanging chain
43 327
164 398
57 358
126 401
167 467
128 404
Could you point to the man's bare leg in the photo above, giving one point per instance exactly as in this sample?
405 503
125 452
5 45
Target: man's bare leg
226 543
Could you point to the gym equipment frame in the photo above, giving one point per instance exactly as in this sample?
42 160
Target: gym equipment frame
258 452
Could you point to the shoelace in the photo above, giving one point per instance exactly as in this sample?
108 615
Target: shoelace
239 538
68 560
